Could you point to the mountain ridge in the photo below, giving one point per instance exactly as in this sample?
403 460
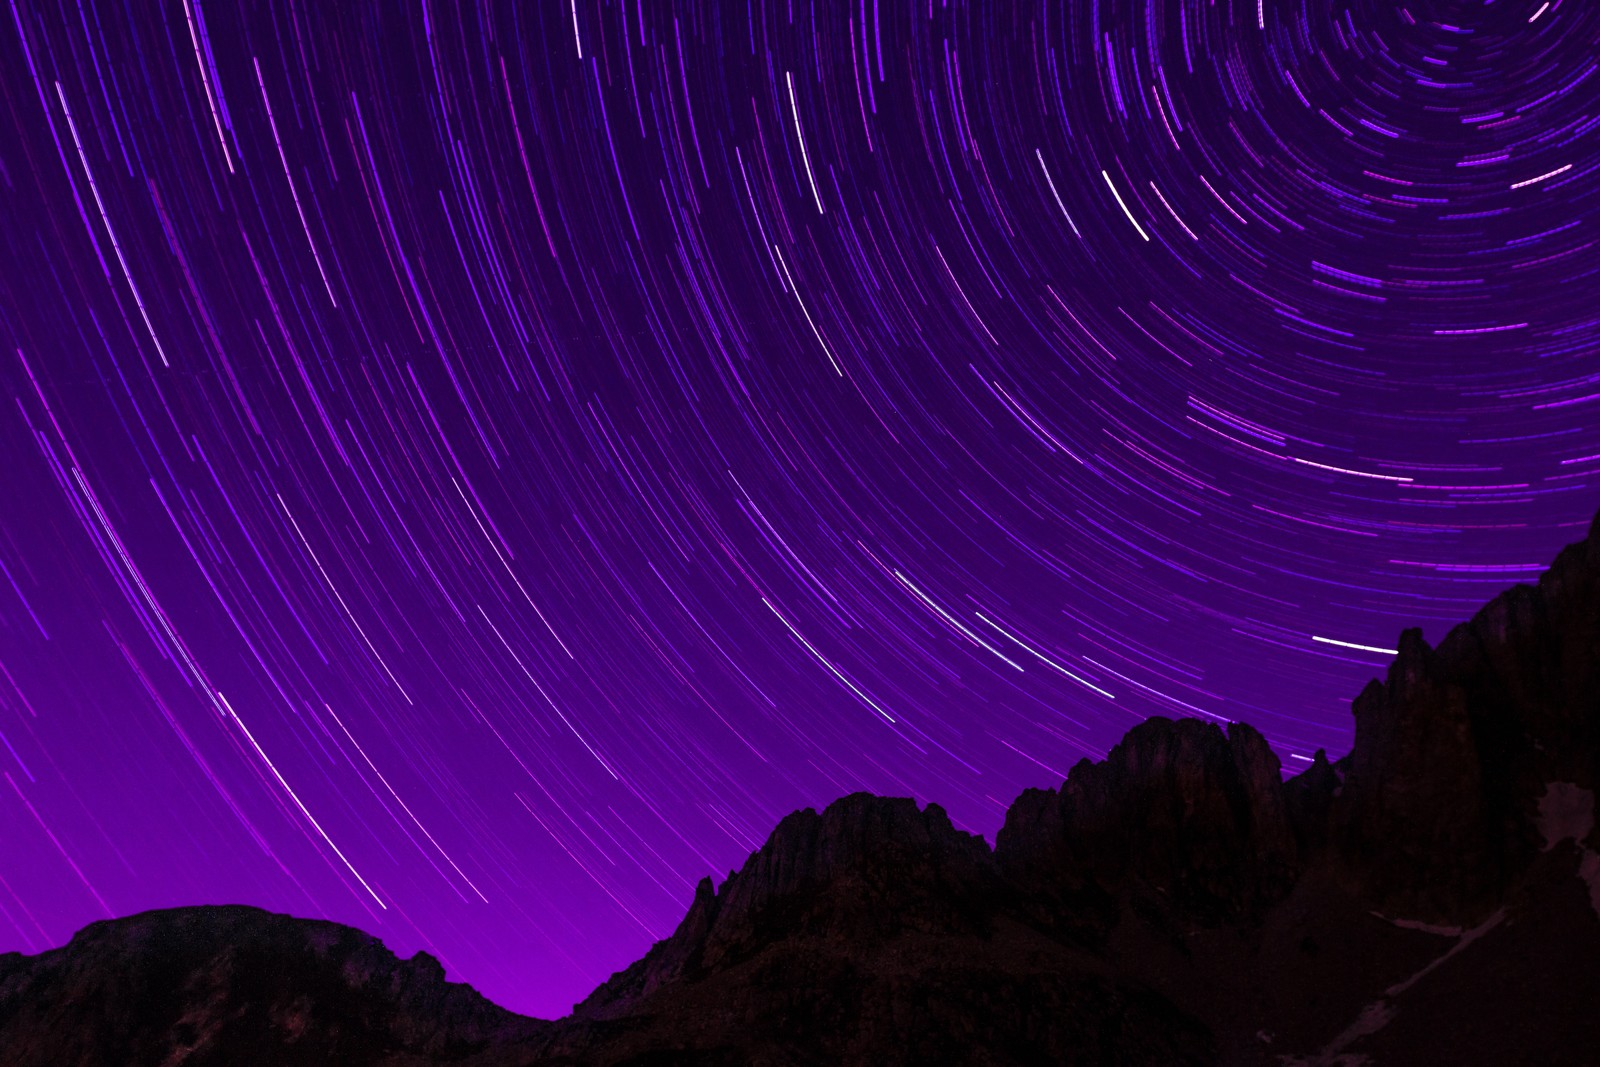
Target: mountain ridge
1179 901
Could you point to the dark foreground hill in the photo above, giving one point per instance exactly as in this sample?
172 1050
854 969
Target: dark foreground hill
1431 897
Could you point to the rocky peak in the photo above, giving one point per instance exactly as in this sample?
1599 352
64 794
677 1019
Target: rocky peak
1308 798
878 842
863 869
1453 749
1178 807
188 984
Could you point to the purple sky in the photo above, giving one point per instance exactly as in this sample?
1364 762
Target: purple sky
468 471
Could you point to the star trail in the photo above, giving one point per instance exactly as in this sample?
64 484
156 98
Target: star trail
470 469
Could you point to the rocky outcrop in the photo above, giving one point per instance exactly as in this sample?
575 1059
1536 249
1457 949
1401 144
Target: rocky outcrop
1179 808
1454 749
1308 800
865 869
236 985
874 932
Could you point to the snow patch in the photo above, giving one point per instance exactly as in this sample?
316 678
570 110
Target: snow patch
1565 811
1589 871
1377 1014
1414 924
1568 811
1373 1017
1466 938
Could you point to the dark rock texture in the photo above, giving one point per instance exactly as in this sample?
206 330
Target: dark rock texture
1432 897
1179 809
875 932
236 985
866 870
1454 749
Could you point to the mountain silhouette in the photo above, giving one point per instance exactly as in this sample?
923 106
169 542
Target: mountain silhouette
1431 897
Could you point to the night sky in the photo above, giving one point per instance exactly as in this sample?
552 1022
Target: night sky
469 470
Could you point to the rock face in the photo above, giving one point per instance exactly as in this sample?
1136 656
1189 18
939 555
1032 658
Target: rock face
874 933
1180 809
866 869
1454 749
1433 896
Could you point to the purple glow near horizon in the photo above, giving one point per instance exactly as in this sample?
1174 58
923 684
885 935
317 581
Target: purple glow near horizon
470 471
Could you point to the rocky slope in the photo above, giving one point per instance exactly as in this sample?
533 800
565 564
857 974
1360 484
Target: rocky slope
1432 897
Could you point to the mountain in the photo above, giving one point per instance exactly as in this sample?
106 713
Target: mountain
238 986
1431 897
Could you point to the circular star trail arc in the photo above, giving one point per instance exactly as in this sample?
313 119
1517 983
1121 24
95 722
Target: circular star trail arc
470 469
